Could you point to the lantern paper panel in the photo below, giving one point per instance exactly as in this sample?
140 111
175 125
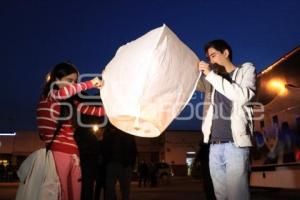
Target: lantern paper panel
148 83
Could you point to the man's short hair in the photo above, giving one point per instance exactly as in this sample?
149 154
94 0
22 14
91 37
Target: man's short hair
219 45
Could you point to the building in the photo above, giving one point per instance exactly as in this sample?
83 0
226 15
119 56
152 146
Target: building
178 148
15 148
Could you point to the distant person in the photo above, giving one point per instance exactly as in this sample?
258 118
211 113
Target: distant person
143 172
288 137
2 170
56 116
227 123
120 153
153 171
10 172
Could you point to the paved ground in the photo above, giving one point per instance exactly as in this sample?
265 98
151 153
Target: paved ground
178 189
8 191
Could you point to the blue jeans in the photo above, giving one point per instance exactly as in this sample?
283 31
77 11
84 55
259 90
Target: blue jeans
229 167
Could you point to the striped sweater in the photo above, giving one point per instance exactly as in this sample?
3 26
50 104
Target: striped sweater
48 111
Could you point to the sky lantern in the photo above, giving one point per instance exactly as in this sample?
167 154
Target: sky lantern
148 82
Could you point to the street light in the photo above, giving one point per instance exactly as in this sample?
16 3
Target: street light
98 131
278 85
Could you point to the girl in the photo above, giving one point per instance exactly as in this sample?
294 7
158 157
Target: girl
57 119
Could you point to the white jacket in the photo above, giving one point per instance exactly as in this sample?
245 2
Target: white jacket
240 92
38 177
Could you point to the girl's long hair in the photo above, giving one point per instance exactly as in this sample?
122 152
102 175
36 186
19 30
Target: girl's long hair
59 71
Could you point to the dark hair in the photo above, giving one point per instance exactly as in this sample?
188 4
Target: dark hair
285 126
219 45
59 71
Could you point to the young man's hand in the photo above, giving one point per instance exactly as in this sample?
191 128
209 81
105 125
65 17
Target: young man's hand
204 67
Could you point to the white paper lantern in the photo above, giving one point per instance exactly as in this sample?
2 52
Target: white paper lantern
148 83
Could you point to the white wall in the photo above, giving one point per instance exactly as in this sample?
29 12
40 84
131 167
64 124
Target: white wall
177 144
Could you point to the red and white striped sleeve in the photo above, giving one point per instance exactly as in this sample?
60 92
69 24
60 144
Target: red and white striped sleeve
91 110
70 90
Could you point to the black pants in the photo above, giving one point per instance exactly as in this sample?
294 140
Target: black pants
143 180
204 167
88 171
117 172
100 182
207 182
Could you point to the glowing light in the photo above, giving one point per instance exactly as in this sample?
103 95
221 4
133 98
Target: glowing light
278 86
136 124
48 77
95 128
4 162
191 152
8 134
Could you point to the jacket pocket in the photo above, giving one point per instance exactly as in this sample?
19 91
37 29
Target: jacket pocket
207 122
239 123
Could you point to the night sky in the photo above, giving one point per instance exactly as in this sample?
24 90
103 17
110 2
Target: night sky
36 35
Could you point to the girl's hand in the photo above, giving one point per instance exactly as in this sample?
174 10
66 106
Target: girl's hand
97 82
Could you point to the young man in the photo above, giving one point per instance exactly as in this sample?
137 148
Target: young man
227 122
